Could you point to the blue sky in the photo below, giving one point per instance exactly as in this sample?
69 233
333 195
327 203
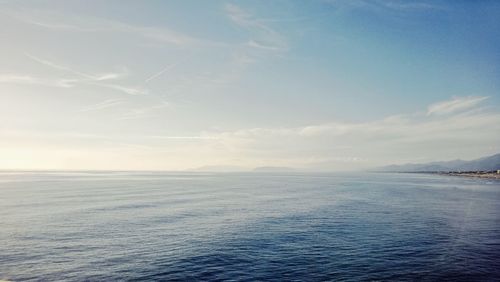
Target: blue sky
316 85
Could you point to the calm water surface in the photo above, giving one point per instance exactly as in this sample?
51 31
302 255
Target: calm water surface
247 227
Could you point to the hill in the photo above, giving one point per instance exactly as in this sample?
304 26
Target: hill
490 163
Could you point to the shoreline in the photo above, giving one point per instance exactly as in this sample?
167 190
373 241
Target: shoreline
470 174
486 175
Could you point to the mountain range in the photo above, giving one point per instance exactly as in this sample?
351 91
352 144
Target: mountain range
490 163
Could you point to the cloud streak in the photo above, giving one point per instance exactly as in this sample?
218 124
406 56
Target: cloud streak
263 36
93 24
31 80
387 5
102 105
144 112
329 146
158 74
456 104
91 79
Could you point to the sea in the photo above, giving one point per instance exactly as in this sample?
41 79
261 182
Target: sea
186 226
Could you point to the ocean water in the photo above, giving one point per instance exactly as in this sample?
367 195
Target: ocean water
95 226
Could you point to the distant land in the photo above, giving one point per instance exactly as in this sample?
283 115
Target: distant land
220 168
273 169
229 168
491 163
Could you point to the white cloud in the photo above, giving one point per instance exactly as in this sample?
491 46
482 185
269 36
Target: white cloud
456 104
336 145
367 144
108 76
258 45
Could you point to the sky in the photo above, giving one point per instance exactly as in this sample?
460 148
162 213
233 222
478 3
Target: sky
319 85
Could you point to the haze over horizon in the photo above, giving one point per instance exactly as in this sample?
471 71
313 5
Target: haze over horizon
316 85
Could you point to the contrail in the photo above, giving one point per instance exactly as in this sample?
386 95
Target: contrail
160 73
59 67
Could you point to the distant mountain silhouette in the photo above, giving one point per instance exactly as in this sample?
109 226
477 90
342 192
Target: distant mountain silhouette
482 164
220 168
230 168
273 169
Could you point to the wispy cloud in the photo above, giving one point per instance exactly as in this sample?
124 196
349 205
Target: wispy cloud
125 89
259 45
102 105
407 5
28 79
91 79
386 140
96 77
394 5
336 145
58 67
56 21
158 74
140 113
263 36
145 112
454 105
262 42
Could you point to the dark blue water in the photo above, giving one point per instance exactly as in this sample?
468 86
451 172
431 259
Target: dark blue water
247 227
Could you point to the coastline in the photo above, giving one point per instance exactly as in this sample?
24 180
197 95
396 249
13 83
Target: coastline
470 174
487 175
